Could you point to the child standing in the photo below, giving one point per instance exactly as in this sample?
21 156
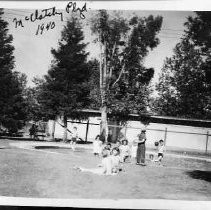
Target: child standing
124 150
97 146
161 149
74 138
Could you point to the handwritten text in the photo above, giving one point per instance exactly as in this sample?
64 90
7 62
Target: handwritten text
39 15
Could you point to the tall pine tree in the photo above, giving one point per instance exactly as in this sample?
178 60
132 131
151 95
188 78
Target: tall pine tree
12 113
65 89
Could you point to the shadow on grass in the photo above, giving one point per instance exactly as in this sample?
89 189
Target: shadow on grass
50 147
81 141
202 175
59 148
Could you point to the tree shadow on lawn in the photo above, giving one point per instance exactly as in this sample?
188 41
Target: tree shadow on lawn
50 147
202 175
59 148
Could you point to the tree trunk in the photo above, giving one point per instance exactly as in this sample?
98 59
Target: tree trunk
104 123
53 129
87 130
65 128
103 91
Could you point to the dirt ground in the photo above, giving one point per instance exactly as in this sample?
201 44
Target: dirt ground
49 173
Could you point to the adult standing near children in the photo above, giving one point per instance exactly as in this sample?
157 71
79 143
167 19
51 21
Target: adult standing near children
141 149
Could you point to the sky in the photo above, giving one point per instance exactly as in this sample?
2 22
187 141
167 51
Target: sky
33 52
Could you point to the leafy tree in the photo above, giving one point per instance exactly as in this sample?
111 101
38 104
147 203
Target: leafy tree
182 83
199 32
12 112
123 78
166 101
184 86
33 107
65 89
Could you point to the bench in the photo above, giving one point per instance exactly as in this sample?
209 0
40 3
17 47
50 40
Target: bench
40 133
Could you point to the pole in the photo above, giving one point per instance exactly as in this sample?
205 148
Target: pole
53 129
65 128
125 130
87 130
101 69
207 138
165 137
105 90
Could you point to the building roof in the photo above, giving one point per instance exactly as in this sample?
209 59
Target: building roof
155 118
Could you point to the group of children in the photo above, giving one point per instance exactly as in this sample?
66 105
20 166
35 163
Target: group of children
110 164
114 157
127 152
123 148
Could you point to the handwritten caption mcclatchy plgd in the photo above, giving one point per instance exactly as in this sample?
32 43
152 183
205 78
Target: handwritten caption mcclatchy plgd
39 15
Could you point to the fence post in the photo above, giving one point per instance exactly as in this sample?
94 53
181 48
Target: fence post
125 130
165 136
87 130
53 129
207 138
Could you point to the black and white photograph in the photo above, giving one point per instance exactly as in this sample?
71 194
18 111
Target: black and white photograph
105 104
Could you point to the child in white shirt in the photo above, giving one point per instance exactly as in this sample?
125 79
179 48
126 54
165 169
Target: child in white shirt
161 149
124 150
97 146
74 138
115 158
105 166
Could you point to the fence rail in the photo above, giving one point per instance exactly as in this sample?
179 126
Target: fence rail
138 128
166 131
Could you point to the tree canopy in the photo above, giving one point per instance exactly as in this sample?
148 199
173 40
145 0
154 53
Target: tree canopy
184 86
12 112
127 43
65 88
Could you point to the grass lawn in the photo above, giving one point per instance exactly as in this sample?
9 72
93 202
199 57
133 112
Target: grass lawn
49 173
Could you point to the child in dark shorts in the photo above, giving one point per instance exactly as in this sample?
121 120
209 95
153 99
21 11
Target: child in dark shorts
161 148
